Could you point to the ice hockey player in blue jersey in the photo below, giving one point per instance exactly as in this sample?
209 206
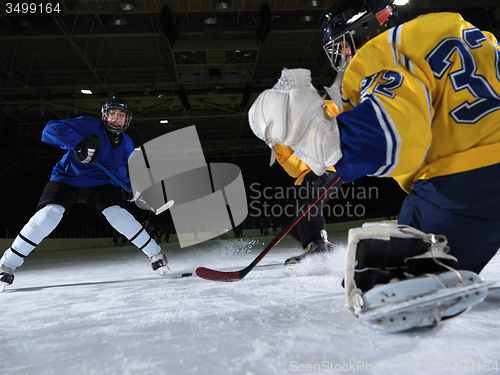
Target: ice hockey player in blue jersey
421 104
76 179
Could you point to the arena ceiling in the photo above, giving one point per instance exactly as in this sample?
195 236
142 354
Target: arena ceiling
191 62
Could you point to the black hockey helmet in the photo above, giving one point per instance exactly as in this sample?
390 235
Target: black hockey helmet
117 104
350 23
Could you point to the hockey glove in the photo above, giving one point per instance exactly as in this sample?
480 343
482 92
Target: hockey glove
291 113
128 196
86 151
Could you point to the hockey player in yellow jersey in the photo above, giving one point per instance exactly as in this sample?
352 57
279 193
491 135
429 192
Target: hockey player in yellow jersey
421 104
437 91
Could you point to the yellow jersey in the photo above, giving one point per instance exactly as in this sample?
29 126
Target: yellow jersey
421 100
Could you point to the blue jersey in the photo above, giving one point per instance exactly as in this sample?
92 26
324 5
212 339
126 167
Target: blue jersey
67 134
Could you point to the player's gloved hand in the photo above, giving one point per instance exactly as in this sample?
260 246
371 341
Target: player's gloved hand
86 151
128 196
275 115
292 113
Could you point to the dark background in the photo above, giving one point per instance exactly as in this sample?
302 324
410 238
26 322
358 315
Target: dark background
168 62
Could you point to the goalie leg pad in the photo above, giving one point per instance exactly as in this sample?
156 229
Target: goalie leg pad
380 252
393 270
420 302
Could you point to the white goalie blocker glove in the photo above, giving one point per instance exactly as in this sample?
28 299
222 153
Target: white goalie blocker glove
291 113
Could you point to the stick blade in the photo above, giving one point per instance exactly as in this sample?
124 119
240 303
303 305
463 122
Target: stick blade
165 207
208 274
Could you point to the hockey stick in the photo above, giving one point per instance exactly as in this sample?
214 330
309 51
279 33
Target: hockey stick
165 207
209 274
113 177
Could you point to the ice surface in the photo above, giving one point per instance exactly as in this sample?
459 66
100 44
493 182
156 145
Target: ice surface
267 323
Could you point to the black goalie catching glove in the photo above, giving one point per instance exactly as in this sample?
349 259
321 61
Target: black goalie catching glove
86 151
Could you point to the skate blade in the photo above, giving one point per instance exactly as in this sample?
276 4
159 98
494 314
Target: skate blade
3 285
308 268
425 309
424 312
289 268
163 271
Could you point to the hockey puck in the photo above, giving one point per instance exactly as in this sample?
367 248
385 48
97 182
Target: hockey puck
187 274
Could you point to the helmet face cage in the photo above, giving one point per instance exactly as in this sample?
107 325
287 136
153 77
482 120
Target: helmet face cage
340 51
119 105
350 24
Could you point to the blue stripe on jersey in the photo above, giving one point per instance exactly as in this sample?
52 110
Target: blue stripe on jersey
393 139
367 146
391 42
497 59
394 41
407 63
429 103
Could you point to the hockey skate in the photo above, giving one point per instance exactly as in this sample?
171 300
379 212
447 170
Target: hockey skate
398 278
317 251
159 263
6 277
